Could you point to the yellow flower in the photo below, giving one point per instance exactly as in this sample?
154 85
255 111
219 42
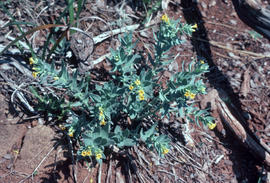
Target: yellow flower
88 153
70 134
131 87
84 153
201 61
141 92
192 95
187 94
55 78
194 27
165 151
31 61
165 18
141 97
211 125
98 156
101 113
34 74
103 122
137 82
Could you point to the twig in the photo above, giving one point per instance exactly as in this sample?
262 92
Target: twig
108 34
100 172
241 52
240 133
175 176
109 173
19 94
72 158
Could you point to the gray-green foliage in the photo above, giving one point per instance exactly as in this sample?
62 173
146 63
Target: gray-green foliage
135 94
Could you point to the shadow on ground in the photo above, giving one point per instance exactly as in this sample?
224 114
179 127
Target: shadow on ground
240 157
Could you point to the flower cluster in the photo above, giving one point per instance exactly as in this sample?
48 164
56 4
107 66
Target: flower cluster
140 92
189 94
86 152
101 116
165 18
35 72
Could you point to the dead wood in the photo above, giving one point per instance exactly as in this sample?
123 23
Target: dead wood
254 14
245 86
240 133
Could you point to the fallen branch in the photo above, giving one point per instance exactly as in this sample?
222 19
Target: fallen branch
240 133
241 52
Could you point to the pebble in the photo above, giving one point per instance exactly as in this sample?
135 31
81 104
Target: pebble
234 22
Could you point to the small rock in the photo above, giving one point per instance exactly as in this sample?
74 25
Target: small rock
234 22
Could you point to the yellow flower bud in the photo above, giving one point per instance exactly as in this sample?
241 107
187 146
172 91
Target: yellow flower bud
165 151
137 82
31 61
211 125
103 122
192 95
84 153
98 156
165 18
194 27
88 153
131 87
34 74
